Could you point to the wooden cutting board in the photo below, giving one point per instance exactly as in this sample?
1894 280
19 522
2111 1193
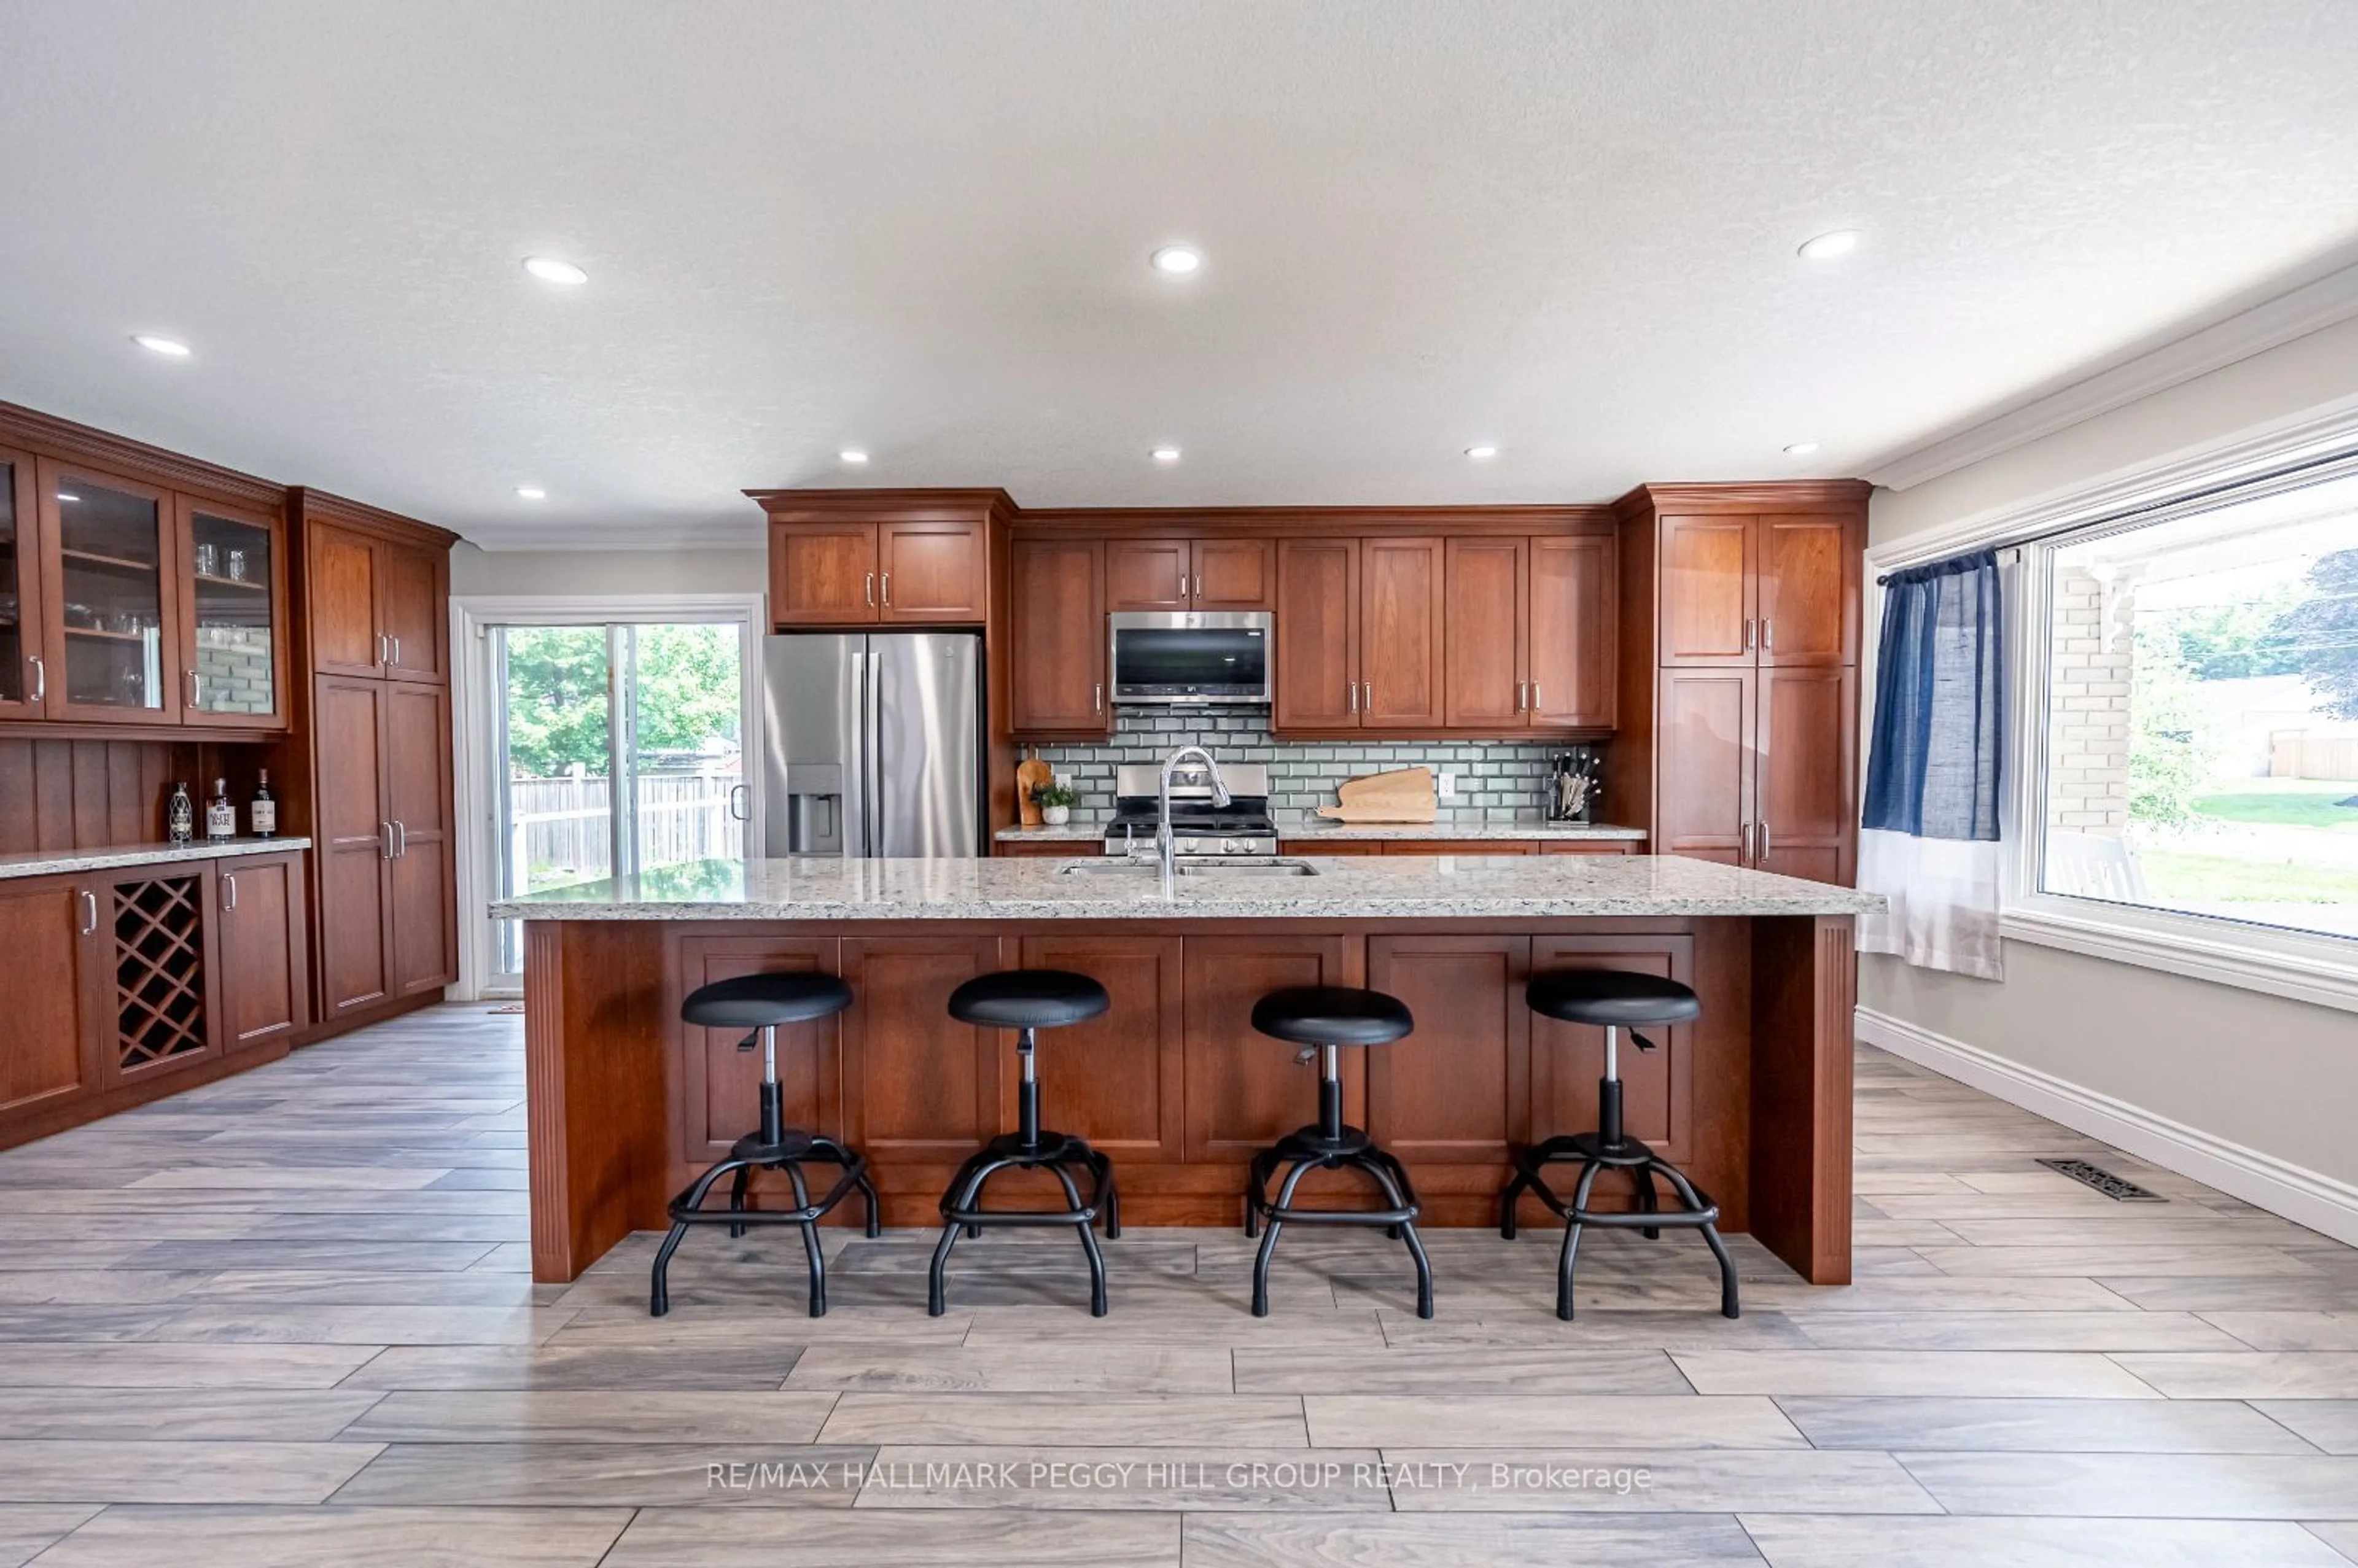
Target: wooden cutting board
1031 774
1405 795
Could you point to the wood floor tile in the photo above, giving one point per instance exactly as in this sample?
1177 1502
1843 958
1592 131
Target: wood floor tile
2000 1374
2251 1375
2042 1425
195 1415
1445 1540
2229 1292
2013 1331
116 1471
1196 1421
84 1321
1822 1541
422 1257
600 1415
248 1177
646 1366
345 1537
354 1287
2290 1330
135 1365
2341 1535
2108 1261
1618 1480
26 1528
2331 1425
1511 1372
607 1475
309 1324
102 1287
2142 1486
894 1538
1162 1369
1125 1478
1544 1420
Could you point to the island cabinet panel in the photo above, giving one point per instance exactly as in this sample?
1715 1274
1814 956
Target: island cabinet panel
1401 619
1057 637
1567 1059
1457 1092
1121 1076
919 1086
720 1086
1317 676
50 1030
1245 1090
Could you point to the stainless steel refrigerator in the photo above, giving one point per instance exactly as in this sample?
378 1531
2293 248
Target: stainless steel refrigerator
872 745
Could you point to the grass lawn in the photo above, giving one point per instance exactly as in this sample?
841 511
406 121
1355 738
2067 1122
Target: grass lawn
2176 876
2288 803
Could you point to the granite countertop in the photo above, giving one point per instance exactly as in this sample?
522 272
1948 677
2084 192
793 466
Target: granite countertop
1303 830
64 862
1471 887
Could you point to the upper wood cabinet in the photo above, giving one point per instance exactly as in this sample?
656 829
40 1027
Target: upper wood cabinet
24 655
1809 589
1573 632
1401 630
1056 637
1190 574
377 606
1316 679
232 614
1769 589
1487 618
927 571
1709 589
112 641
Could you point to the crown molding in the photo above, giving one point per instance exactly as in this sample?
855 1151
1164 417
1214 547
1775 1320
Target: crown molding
734 533
327 508
2272 323
1747 495
49 436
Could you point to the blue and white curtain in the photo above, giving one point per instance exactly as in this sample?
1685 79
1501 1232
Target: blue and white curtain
1936 768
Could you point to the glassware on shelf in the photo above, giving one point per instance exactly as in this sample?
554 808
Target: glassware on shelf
236 564
208 560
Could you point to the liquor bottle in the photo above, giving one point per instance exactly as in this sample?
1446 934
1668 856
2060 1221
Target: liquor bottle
265 810
221 816
180 816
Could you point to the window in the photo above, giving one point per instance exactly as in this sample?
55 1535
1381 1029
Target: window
2198 746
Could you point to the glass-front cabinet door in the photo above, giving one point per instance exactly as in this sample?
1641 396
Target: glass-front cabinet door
113 615
231 570
22 674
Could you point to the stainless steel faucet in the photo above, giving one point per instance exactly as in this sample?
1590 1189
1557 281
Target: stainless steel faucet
1166 846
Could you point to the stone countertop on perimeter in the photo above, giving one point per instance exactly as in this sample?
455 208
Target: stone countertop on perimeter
1425 887
65 863
1308 830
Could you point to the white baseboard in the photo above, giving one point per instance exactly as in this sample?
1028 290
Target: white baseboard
2299 1194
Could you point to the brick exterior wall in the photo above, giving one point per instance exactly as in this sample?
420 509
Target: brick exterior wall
233 668
2089 668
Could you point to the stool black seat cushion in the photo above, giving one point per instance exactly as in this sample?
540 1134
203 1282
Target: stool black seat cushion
1028 999
1332 1015
752 1001
1617 997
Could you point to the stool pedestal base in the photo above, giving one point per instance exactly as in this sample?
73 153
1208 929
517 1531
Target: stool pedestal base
1595 1154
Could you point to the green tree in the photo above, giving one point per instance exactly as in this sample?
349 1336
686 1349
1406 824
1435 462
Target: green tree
2323 632
687 686
2170 762
2233 642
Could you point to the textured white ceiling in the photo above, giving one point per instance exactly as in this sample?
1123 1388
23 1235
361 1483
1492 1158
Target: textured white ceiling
922 228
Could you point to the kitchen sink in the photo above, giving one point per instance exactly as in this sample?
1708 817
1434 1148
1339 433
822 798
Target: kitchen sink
1240 866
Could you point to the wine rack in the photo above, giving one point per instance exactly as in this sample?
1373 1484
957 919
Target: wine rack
159 970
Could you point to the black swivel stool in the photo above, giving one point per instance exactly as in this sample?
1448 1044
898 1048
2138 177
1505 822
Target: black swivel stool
759 1003
1614 999
1327 1018
1026 1000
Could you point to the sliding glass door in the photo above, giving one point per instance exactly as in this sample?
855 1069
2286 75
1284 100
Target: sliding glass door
616 747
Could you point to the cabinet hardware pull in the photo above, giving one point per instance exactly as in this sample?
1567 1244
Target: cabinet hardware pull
40 680
195 701
1535 696
872 589
228 893
90 913
1354 688
1367 697
1183 585
1520 689
397 652
888 591
400 839
1199 585
384 839
740 802
1751 629
1768 634
383 649
1764 839
1096 698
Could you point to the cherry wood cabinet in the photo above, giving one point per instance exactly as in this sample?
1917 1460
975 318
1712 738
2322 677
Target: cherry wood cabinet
23 656
384 844
1057 637
1244 1090
1458 1091
720 1085
1572 632
110 570
1741 621
924 570
1400 633
1317 677
264 949
918 1086
1487 613
49 1037
1124 1072
1190 574
233 594
377 606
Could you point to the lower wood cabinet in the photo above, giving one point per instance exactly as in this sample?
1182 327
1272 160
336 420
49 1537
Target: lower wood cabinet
1245 1090
132 979
919 1086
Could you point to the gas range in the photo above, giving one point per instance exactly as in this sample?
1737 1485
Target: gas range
1198 828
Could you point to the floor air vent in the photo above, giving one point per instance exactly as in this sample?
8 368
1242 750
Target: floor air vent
2103 1181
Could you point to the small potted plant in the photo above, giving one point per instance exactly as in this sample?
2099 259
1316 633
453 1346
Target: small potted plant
1056 800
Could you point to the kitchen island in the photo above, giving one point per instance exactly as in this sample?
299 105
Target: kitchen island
1753 1099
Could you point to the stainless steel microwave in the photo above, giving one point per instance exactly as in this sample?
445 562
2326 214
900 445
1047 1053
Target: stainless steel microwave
1170 656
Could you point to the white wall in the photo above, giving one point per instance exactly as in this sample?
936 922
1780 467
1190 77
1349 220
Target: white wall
2274 1077
587 571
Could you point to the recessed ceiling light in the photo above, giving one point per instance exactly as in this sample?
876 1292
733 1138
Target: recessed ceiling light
1479 453
1178 261
548 269
532 493
852 455
170 348
1166 454
1801 448
1825 248
68 496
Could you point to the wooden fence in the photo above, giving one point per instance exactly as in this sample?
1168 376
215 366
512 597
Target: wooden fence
2296 754
560 832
